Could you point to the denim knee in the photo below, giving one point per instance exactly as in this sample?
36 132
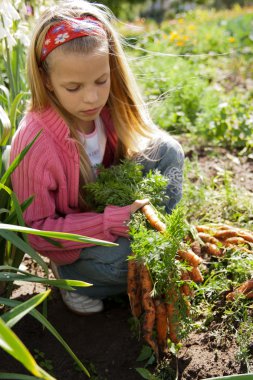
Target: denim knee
167 156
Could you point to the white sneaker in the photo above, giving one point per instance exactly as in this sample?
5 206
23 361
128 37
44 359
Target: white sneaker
78 303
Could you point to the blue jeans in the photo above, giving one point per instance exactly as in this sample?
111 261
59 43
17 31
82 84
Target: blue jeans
106 267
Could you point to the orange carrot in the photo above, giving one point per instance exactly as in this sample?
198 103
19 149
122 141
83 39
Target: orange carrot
224 234
196 247
203 228
133 287
185 289
246 236
153 219
188 306
149 308
235 240
189 256
161 325
244 288
212 249
208 238
173 322
249 295
196 275
222 226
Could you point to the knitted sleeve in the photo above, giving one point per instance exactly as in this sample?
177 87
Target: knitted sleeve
43 173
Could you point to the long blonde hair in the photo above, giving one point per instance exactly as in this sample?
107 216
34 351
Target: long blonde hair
131 120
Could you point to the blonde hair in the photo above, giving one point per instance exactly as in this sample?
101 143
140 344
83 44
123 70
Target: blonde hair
131 120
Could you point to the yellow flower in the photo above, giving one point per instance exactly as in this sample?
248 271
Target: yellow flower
185 38
192 27
180 20
173 36
180 43
231 39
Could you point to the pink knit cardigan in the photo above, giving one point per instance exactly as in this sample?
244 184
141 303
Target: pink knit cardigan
50 172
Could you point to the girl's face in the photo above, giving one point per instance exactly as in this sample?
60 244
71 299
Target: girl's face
81 83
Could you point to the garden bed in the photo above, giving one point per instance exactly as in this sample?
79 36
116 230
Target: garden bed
108 347
107 343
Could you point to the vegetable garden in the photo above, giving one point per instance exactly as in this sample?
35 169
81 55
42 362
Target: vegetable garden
188 313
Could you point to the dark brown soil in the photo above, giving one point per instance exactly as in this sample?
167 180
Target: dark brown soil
106 345
106 342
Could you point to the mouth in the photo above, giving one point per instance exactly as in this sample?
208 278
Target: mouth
91 111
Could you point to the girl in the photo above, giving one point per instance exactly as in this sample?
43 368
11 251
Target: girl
87 104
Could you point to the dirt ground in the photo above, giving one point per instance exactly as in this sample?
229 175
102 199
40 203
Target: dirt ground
105 342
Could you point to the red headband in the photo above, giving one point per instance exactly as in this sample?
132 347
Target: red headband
67 30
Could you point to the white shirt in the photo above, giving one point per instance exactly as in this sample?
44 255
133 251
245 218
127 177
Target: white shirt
94 143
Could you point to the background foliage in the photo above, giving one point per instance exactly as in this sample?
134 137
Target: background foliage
193 62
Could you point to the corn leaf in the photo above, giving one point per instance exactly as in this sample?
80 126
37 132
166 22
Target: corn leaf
7 275
12 215
6 92
5 127
52 234
18 312
13 110
7 234
17 160
10 343
17 376
37 315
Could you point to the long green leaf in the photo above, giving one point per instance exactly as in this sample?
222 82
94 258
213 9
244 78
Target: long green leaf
13 110
37 315
6 92
18 312
17 376
5 126
59 283
12 215
10 343
17 209
26 248
17 160
3 100
56 235
7 63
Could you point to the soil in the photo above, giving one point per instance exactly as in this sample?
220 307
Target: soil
106 342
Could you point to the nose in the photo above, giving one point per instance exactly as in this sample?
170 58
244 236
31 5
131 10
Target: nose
90 95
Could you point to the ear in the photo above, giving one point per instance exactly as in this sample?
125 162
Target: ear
46 80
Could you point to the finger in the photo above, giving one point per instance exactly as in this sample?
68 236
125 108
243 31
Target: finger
139 203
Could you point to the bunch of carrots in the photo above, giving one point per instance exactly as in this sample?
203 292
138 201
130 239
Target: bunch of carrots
162 316
163 313
167 254
216 240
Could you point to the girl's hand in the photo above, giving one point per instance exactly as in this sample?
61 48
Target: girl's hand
139 203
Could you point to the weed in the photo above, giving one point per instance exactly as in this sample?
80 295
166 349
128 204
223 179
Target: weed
45 363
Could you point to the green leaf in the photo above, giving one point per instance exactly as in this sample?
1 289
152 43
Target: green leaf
5 126
145 353
6 91
57 235
146 374
12 215
60 283
13 110
17 376
23 246
18 312
17 160
37 315
10 343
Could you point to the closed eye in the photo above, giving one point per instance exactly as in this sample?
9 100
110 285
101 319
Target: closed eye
72 89
101 82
